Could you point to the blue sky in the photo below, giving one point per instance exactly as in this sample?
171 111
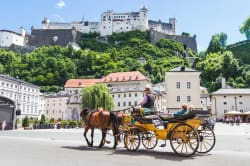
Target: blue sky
202 18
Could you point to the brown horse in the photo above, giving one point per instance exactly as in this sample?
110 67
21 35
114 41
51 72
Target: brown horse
100 119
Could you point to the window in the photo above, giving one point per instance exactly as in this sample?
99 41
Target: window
129 94
135 102
188 98
178 85
124 95
135 94
118 104
75 98
240 102
225 111
124 103
129 103
178 98
241 110
188 85
225 103
119 95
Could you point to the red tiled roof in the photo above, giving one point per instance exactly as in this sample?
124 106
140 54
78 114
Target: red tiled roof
125 76
80 83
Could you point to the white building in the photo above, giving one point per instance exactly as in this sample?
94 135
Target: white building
74 88
127 88
25 95
236 101
7 38
81 26
161 96
205 99
183 86
56 106
123 22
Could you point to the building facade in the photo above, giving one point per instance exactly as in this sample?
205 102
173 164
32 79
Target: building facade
183 86
230 102
25 95
56 106
205 99
74 88
127 88
8 38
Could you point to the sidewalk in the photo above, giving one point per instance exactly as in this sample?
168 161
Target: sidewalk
228 129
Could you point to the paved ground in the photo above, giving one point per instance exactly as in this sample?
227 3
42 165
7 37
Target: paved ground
65 147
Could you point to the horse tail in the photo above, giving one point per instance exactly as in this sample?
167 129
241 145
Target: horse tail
114 121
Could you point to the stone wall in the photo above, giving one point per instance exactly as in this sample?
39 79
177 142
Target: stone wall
190 42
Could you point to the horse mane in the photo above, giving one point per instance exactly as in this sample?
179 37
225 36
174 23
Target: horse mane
84 111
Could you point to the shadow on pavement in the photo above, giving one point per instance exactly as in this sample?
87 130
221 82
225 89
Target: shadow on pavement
143 152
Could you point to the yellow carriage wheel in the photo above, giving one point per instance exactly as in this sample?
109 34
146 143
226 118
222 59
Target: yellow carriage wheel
132 140
207 138
149 140
184 140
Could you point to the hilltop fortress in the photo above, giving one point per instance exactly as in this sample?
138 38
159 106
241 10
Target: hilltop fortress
57 33
111 22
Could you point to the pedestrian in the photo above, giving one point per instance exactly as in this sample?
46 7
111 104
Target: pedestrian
3 125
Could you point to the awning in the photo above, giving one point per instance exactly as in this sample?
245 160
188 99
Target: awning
247 113
233 113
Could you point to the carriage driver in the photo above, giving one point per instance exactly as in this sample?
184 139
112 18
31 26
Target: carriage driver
148 102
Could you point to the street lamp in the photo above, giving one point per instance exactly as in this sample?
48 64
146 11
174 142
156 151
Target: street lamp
17 108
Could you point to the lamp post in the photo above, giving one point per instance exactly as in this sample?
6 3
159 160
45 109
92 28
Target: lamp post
235 98
17 108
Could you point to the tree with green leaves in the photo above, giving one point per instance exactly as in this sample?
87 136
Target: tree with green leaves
217 43
42 121
245 28
97 96
25 122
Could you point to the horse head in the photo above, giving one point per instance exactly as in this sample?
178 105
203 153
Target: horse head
84 112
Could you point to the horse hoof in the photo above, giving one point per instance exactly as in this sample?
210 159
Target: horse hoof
106 141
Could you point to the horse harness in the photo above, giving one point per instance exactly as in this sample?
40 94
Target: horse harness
88 116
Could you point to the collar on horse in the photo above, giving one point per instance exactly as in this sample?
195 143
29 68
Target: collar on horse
88 116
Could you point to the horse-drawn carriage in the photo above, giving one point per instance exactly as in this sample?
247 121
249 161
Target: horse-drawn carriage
187 133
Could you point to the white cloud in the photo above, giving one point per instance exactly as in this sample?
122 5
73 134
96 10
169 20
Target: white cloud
61 4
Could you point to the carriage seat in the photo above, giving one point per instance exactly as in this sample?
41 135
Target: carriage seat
189 115
149 119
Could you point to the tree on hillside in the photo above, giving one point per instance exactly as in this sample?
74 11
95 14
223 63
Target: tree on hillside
245 28
230 65
97 96
217 65
217 43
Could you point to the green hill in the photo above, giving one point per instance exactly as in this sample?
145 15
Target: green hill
50 67
241 51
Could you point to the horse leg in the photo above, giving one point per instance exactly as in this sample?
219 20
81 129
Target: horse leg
104 132
85 135
92 137
115 141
